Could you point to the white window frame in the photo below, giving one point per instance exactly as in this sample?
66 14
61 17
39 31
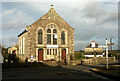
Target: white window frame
23 45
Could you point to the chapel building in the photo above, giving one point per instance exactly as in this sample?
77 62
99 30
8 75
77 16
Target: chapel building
48 38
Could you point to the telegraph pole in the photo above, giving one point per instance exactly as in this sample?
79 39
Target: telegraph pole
106 53
111 43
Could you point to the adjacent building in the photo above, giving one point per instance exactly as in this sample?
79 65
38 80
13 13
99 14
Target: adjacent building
93 47
48 38
92 50
13 49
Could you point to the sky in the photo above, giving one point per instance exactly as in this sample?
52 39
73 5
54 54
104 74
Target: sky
92 20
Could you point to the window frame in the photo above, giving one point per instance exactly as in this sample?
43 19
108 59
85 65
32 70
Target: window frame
51 40
40 36
63 40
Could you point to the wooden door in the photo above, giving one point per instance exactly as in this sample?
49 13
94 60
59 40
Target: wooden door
63 54
40 54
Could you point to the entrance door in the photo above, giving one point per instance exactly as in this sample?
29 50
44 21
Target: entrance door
64 54
40 54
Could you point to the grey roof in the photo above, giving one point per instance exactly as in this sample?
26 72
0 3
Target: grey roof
22 33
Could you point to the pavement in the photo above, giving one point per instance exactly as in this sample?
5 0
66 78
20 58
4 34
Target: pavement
110 76
64 72
112 73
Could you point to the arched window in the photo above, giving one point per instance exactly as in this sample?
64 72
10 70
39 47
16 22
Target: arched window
40 36
51 34
54 36
54 31
48 36
62 38
48 31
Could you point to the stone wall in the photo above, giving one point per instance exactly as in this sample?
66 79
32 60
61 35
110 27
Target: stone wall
51 63
93 61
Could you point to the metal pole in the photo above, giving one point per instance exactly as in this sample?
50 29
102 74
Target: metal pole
106 54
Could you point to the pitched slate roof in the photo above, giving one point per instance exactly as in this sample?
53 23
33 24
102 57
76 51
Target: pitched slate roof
52 15
22 33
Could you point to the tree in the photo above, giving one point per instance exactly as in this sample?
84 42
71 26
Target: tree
4 52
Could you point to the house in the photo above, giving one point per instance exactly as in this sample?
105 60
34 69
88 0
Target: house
92 50
48 38
13 49
93 47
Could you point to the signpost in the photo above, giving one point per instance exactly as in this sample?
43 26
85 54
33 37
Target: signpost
106 54
107 43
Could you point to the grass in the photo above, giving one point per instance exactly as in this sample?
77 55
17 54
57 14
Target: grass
79 56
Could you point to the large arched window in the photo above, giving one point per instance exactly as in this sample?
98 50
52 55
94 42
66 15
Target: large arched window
40 36
54 36
48 36
51 34
62 38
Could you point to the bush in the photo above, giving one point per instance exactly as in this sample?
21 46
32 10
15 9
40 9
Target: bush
79 56
12 57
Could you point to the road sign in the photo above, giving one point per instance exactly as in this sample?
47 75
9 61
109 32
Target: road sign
102 46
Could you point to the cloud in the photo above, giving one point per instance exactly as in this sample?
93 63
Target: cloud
91 21
92 10
7 12
80 45
9 40
111 17
97 15
14 19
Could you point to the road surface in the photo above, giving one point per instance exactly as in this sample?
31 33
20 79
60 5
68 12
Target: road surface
65 72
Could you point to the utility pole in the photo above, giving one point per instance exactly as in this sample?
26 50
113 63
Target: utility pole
106 53
111 43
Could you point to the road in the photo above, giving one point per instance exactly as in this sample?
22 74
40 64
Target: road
65 72
0 71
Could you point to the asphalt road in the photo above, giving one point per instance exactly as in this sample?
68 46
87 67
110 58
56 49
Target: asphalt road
65 72
0 71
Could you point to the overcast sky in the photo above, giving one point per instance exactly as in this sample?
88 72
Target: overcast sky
91 20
